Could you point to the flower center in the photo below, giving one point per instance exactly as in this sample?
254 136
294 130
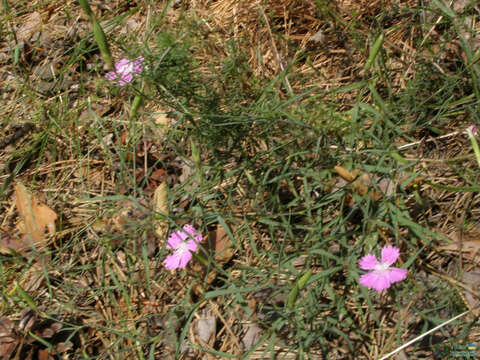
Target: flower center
180 250
127 69
381 267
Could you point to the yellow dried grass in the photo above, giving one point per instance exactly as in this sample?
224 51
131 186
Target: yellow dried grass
275 34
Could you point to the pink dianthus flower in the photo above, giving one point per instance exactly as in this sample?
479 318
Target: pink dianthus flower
184 242
382 276
125 70
472 131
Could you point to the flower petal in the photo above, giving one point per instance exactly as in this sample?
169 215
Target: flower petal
375 280
390 254
198 238
189 229
396 274
174 240
126 78
125 70
192 245
137 66
172 262
184 258
368 262
120 66
111 75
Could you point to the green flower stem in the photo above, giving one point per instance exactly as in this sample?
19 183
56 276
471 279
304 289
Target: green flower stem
201 259
476 150
298 286
137 102
99 35
84 5
102 43
374 52
23 294
197 161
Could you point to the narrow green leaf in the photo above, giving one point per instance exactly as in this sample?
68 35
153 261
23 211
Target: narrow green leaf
16 55
137 101
374 52
195 153
84 5
292 297
455 188
347 88
41 340
473 140
303 280
27 298
399 158
99 35
102 43
325 273
445 9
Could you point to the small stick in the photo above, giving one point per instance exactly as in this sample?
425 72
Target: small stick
423 335
415 143
407 146
277 54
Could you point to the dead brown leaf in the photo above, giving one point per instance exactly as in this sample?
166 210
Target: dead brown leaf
204 328
471 280
469 245
361 182
31 25
160 205
10 241
460 5
344 173
37 220
8 338
156 178
370 184
161 119
28 317
221 244
44 354
252 333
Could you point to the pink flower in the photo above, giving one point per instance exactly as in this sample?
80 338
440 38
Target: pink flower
472 131
184 242
382 275
125 69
